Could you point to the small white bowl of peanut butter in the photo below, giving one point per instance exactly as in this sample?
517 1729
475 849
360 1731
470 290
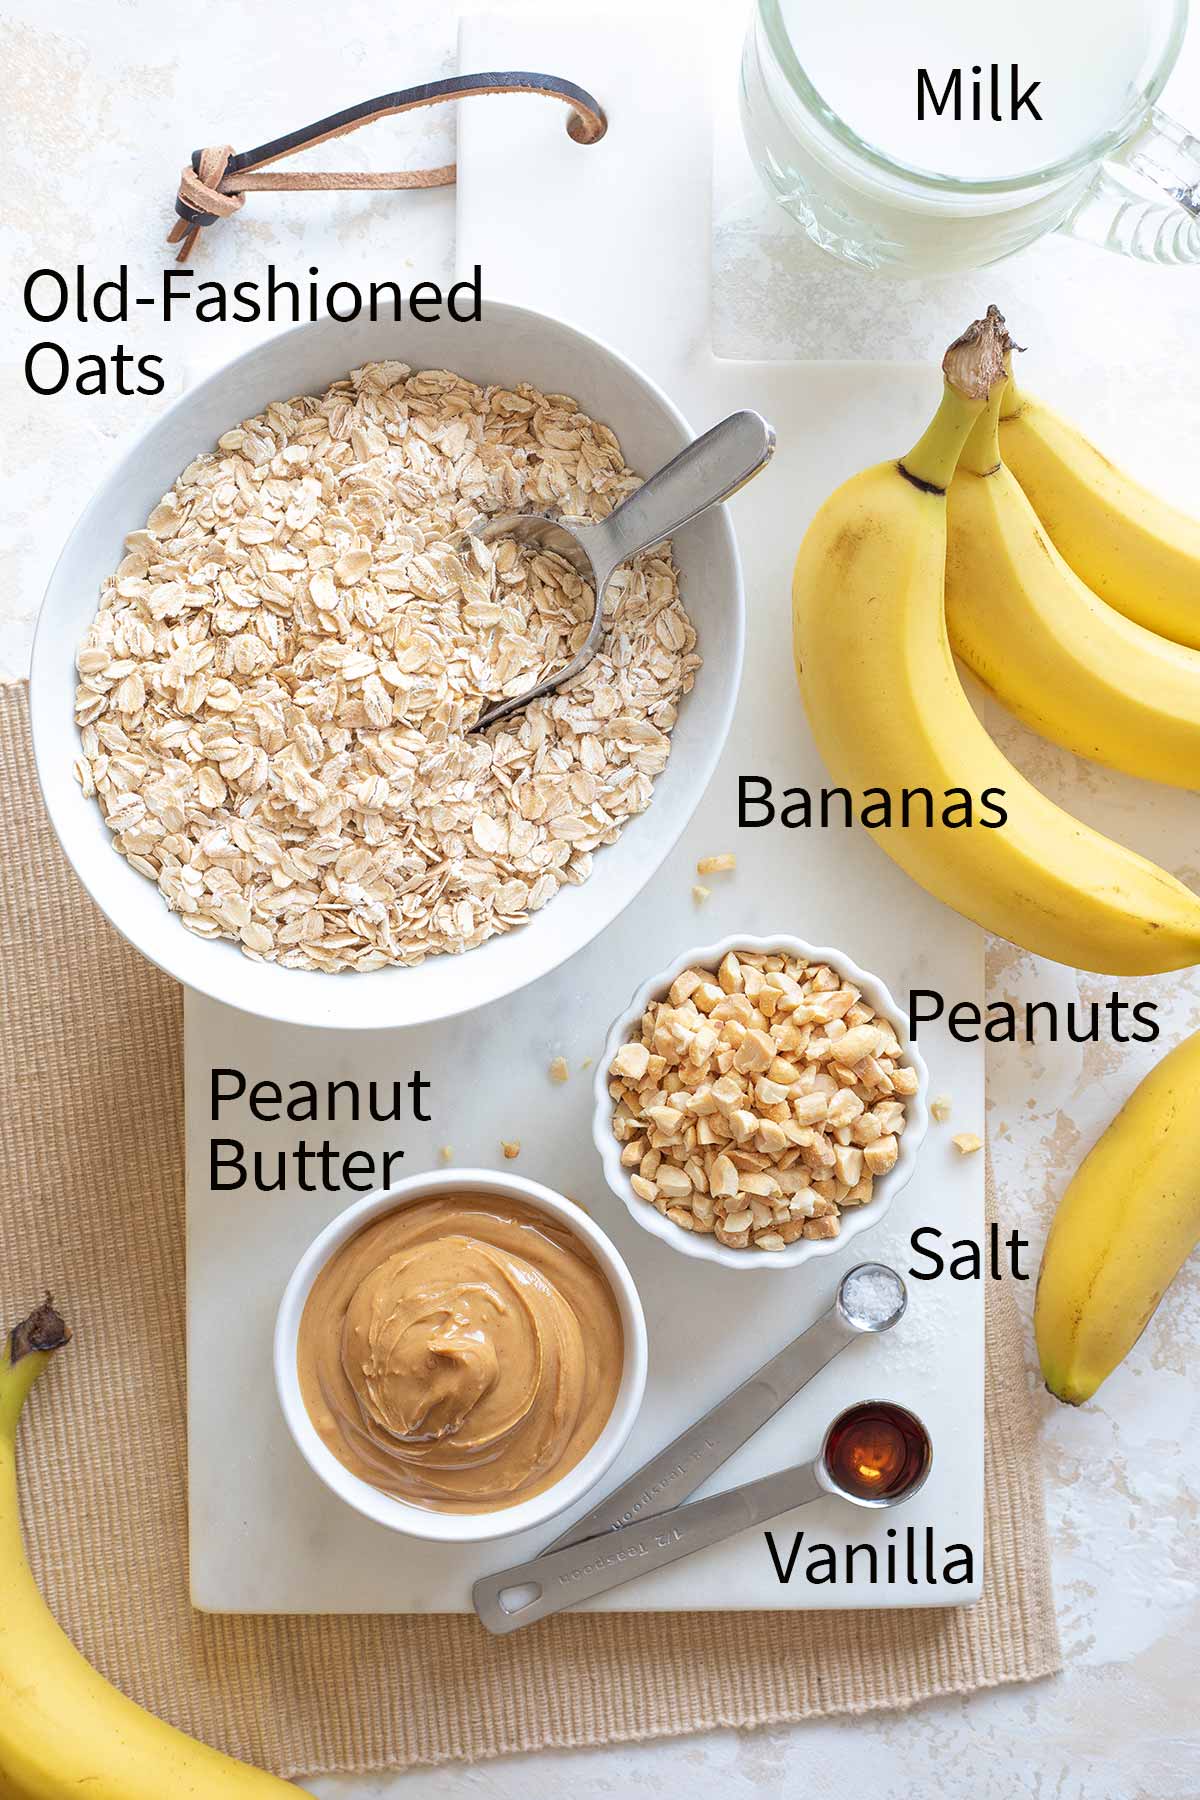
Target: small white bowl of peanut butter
462 1356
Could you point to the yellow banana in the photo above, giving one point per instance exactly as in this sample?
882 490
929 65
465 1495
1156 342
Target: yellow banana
888 711
63 1729
1132 549
1129 1218
1069 666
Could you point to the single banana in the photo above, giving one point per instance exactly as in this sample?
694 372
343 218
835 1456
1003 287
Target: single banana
63 1729
888 711
1066 664
1134 551
1126 1223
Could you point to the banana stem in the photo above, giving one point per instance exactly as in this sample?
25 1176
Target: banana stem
1012 402
931 462
972 366
28 1349
981 452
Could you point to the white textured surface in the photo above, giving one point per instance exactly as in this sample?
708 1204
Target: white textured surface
104 100
251 1526
709 1327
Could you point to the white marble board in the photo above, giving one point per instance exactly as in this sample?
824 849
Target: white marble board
265 1535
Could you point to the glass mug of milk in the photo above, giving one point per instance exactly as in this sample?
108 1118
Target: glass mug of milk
929 135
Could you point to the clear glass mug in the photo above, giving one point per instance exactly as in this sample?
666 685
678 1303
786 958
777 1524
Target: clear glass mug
830 91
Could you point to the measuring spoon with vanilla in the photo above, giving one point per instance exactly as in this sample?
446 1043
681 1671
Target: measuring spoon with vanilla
870 1299
874 1454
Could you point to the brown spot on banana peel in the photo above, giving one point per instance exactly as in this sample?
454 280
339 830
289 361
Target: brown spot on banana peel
922 487
1070 1396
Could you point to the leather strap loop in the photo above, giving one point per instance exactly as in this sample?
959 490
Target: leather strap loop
216 182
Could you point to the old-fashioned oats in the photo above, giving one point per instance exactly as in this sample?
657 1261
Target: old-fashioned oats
276 694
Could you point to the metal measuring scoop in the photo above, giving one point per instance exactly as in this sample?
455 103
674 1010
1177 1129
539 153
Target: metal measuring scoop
561 1578
870 1299
707 472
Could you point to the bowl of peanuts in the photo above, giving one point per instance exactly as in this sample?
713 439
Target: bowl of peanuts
760 1102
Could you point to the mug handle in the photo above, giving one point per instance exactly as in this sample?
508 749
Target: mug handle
1118 216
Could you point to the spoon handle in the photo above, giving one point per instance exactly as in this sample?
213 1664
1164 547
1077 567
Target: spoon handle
698 1452
561 1578
709 470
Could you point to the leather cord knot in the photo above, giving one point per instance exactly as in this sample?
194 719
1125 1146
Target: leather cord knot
215 183
200 201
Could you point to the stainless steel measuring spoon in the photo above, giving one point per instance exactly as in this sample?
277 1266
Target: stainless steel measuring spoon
547 1584
707 472
870 1298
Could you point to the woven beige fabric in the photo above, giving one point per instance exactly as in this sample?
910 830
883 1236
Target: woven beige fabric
91 1206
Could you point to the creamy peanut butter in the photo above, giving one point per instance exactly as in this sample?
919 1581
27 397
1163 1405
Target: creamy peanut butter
462 1353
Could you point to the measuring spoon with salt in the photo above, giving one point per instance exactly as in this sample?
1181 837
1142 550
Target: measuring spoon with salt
870 1299
874 1454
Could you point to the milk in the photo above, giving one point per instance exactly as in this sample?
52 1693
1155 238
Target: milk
1087 57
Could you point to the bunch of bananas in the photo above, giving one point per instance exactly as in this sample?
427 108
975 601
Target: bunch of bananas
63 1729
1074 596
991 538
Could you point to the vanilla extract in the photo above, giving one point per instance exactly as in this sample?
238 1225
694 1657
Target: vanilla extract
910 1557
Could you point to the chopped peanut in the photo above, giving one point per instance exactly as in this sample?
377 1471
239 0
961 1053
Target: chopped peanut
821 1228
631 1060
967 1143
717 865
880 1156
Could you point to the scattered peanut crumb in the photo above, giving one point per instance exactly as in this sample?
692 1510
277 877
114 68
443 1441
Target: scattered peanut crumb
967 1142
700 894
446 1153
587 1062
511 1147
717 865
939 1108
559 1070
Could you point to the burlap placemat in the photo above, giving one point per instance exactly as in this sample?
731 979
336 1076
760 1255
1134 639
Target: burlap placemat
92 1206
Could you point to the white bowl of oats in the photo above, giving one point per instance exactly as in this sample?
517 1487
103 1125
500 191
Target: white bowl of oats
263 646
760 1102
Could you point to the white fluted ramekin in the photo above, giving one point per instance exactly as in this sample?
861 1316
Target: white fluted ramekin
855 1219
